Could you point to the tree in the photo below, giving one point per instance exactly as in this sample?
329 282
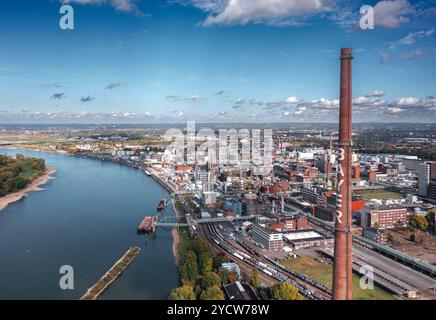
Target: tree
418 222
189 267
205 263
255 278
210 279
224 275
430 217
218 260
390 238
184 292
285 291
212 293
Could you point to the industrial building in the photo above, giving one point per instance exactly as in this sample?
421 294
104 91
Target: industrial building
267 238
377 235
305 239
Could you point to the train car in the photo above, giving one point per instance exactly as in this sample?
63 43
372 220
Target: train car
267 272
238 256
216 241
272 270
261 264
244 255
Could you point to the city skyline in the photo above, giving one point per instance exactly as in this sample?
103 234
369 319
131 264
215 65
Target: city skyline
214 61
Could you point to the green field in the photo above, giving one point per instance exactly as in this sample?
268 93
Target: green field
323 272
380 195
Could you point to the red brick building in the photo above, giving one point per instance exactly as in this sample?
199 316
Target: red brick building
384 218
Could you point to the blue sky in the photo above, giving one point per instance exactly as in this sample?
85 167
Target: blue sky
214 60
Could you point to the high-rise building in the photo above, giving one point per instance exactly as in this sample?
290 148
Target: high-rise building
426 173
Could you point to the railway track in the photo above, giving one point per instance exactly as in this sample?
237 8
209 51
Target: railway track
307 287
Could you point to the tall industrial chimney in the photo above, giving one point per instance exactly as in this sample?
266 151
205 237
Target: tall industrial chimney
342 272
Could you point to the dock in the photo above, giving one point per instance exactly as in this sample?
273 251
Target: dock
148 224
111 275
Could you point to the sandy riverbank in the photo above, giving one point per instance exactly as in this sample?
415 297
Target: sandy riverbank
176 242
33 186
176 237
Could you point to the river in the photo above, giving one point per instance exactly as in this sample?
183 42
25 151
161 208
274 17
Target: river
86 218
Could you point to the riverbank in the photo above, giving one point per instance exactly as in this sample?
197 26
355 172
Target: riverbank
154 175
33 186
176 237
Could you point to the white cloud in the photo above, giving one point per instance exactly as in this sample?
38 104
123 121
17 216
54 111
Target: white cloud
411 38
412 55
292 100
120 5
377 93
395 110
408 101
324 103
274 12
392 14
366 101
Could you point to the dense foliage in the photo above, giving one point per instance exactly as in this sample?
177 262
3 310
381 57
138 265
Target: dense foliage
199 272
16 173
285 291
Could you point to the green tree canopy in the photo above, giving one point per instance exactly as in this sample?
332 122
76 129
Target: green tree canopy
189 267
210 279
224 275
255 278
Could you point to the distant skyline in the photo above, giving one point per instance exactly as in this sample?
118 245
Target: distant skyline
166 61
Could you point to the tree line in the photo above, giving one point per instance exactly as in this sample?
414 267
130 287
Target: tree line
16 173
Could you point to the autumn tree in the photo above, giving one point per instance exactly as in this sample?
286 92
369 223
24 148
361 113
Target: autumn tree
189 267
255 278
184 292
285 291
418 222
224 275
390 238
210 279
212 293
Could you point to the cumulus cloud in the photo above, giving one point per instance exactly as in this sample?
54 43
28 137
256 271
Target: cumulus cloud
377 93
292 100
392 13
408 101
368 101
87 99
272 12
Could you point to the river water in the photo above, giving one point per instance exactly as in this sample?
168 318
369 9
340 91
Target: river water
86 218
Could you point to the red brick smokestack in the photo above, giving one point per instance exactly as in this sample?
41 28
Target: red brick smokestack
342 272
